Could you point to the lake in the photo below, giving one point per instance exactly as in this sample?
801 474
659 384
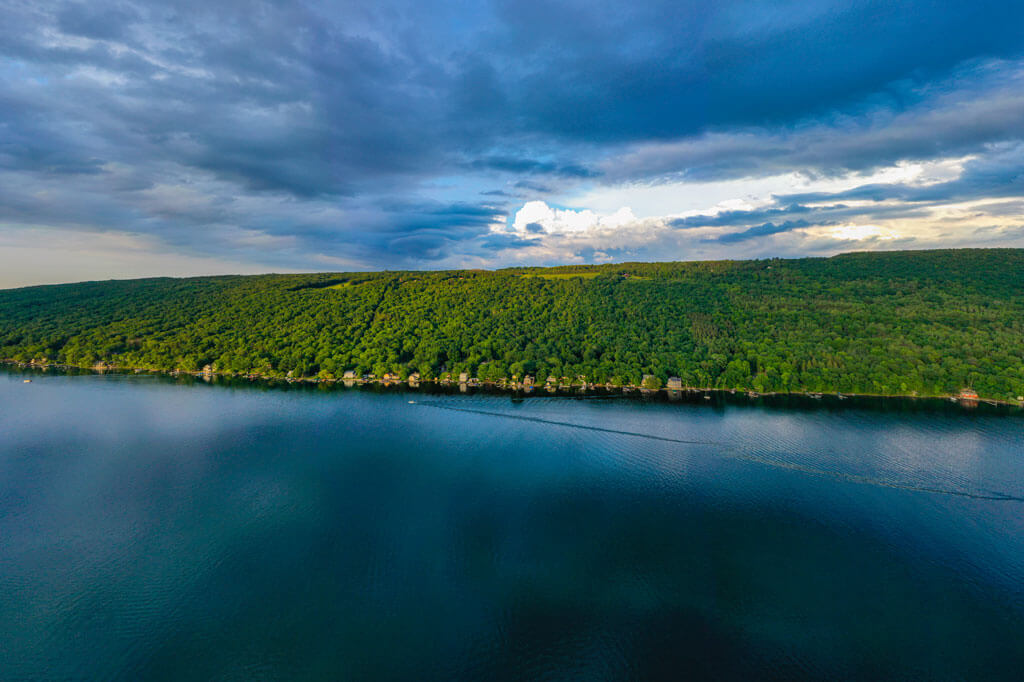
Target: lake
153 528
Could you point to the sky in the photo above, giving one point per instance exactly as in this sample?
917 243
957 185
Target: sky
186 137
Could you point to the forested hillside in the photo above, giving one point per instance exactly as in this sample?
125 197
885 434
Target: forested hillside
929 322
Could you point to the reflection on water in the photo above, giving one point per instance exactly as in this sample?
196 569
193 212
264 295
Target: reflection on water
747 454
161 529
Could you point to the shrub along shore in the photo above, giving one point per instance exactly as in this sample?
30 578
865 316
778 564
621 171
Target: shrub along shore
511 388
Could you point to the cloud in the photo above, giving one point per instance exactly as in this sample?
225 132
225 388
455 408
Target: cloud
732 63
285 134
726 218
997 173
537 216
77 257
532 166
977 106
762 230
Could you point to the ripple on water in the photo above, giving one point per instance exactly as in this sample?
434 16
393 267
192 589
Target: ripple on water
161 531
890 463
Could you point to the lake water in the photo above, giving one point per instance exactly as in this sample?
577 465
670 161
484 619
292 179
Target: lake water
154 529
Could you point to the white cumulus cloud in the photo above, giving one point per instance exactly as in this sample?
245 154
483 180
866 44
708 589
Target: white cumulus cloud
567 221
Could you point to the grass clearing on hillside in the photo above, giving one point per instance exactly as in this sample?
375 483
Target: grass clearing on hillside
581 275
563 275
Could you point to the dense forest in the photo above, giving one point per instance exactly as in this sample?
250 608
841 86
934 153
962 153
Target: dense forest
919 322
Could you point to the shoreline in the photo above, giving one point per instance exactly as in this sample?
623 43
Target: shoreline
515 390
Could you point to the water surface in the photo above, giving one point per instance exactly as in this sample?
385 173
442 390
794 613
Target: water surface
153 529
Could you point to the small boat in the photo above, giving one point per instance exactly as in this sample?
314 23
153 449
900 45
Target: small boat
27 381
412 402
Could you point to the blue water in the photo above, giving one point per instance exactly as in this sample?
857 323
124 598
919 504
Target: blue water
154 529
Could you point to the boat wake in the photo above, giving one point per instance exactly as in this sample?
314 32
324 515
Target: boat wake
726 450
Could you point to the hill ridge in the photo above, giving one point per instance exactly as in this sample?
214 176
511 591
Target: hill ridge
898 322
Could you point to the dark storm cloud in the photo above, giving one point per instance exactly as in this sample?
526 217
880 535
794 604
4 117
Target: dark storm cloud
93 20
410 232
762 230
531 166
826 214
500 242
977 106
669 69
731 218
339 124
532 186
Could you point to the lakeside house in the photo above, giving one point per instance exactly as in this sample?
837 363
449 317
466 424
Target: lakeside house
349 375
674 384
464 378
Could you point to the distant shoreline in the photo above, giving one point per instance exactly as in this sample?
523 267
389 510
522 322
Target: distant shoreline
454 387
937 323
